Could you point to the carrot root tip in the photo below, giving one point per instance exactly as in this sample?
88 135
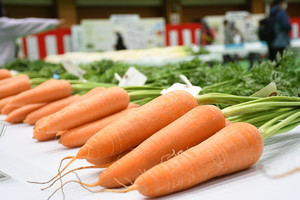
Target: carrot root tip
128 189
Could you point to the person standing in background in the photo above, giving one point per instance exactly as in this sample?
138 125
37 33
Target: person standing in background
282 27
11 29
228 32
207 33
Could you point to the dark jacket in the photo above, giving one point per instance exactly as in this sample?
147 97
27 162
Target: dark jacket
282 27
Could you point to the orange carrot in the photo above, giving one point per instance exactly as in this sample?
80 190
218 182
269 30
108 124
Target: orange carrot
235 147
187 131
78 136
18 115
4 73
41 136
15 86
15 78
51 108
48 91
5 101
8 108
136 126
107 161
99 105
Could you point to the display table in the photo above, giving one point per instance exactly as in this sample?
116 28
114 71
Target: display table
24 159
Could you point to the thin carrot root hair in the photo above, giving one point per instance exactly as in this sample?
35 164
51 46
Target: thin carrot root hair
73 170
59 171
287 173
170 155
83 185
127 189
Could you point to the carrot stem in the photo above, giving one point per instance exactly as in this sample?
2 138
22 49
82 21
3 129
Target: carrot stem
291 116
256 107
220 98
144 94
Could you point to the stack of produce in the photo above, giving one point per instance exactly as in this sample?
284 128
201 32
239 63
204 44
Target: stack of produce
192 142
170 142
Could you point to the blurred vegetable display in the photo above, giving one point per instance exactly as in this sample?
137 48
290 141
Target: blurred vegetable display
230 78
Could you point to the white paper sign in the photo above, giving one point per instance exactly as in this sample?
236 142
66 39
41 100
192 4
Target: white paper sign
73 68
194 90
132 78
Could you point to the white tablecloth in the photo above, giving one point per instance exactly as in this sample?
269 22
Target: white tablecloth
24 159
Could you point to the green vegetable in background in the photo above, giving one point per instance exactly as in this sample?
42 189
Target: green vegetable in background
229 78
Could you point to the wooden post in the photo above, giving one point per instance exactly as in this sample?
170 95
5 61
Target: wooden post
173 11
66 9
257 6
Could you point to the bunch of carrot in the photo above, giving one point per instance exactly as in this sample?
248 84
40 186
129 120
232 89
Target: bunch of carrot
173 143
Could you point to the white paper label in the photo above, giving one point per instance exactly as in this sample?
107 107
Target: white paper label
73 68
133 78
194 90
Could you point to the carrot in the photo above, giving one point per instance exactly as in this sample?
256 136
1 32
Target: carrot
8 108
235 147
4 73
15 86
51 108
136 126
18 115
78 136
91 92
15 78
107 161
48 91
187 131
99 105
41 136
5 101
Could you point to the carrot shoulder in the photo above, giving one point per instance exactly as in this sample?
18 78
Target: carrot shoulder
78 136
51 108
15 86
235 147
18 115
4 73
136 126
48 91
99 105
